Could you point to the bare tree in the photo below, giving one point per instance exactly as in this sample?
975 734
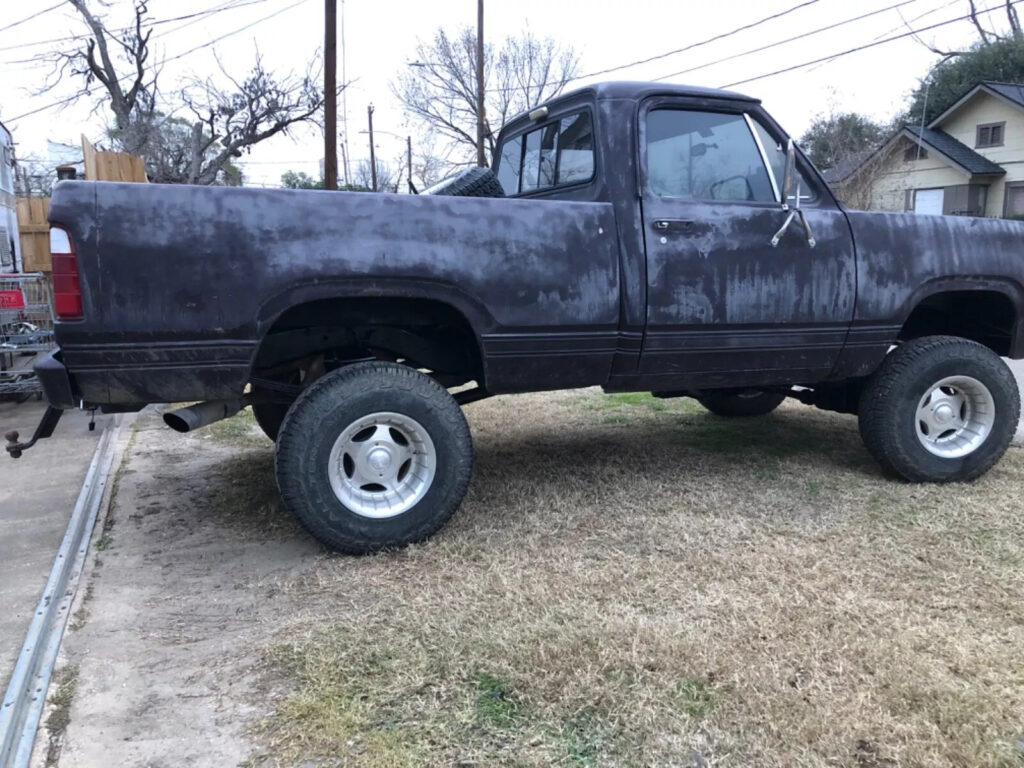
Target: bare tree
119 60
985 35
861 187
35 177
439 89
228 122
389 177
225 122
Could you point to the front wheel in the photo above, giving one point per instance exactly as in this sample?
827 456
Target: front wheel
373 456
939 409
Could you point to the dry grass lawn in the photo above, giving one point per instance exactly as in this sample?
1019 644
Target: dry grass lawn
633 582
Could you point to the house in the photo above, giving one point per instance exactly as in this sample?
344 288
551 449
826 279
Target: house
969 161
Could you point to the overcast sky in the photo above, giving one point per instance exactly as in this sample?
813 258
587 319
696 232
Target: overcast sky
381 36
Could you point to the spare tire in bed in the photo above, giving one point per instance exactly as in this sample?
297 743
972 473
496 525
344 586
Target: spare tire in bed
472 182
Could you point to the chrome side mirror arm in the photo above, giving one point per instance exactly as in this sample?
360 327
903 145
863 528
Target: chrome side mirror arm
794 213
791 189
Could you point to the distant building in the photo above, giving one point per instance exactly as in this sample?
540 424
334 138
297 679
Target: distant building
10 249
968 161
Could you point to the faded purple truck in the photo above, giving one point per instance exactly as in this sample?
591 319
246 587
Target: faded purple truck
640 246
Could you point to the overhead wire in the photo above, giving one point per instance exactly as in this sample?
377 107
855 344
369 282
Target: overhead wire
701 43
207 44
230 5
866 46
794 38
34 16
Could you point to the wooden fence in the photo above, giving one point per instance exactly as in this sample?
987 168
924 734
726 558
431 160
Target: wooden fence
33 228
111 166
35 233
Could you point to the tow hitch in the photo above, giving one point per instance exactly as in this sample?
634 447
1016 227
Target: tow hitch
45 429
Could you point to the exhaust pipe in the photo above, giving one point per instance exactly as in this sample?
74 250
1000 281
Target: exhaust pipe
202 414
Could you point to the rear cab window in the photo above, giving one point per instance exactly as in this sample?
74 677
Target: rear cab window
558 153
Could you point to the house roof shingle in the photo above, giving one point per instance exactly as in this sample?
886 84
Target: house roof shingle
955 150
1010 91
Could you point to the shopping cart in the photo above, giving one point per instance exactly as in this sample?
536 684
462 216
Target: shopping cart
26 331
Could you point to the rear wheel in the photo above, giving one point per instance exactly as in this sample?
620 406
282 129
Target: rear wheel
939 409
741 403
373 456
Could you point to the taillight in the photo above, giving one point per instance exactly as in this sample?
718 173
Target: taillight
67 289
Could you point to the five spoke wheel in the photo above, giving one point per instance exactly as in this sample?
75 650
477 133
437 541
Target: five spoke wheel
955 416
382 464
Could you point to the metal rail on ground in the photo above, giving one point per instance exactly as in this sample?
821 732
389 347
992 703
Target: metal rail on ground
26 694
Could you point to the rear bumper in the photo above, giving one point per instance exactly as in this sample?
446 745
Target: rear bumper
56 382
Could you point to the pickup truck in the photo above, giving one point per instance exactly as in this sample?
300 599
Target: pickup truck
648 237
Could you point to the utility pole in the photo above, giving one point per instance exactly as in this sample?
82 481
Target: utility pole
408 162
481 158
330 94
344 101
373 156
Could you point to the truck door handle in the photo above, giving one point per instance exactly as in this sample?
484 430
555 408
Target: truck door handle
673 225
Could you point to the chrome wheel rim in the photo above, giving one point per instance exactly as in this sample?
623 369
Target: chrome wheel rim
955 416
382 464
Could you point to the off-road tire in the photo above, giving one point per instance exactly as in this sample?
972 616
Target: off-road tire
472 182
889 401
269 417
330 405
733 405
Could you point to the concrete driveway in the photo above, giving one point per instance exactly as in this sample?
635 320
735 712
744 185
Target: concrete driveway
37 495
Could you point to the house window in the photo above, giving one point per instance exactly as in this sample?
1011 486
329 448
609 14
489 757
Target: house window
1013 205
990 135
914 152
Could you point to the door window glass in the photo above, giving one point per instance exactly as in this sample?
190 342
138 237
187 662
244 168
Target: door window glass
776 153
705 156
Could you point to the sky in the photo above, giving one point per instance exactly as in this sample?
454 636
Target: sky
381 36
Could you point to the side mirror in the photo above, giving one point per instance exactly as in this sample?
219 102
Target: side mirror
791 191
789 178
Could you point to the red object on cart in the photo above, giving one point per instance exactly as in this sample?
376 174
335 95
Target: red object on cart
12 300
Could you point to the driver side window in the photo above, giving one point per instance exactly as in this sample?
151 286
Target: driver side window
705 156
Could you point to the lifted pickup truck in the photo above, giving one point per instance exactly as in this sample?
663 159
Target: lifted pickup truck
652 237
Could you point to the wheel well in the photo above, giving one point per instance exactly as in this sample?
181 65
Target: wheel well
328 333
987 317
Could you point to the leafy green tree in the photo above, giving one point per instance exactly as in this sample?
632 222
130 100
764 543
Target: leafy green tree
300 180
838 140
993 59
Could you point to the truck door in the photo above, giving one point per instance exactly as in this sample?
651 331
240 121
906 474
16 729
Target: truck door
724 307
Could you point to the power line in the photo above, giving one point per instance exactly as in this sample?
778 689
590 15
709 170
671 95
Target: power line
207 44
866 46
685 48
33 16
227 6
801 36
904 23
700 43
